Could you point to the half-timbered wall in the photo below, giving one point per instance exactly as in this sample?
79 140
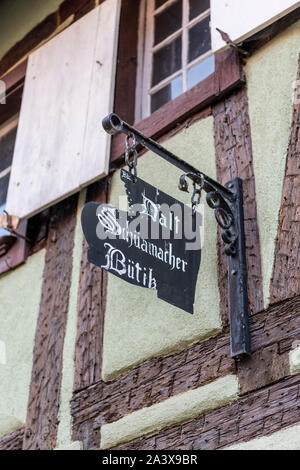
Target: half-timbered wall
107 365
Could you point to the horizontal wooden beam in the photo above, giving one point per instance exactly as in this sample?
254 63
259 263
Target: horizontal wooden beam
158 379
259 414
14 84
12 441
228 75
16 76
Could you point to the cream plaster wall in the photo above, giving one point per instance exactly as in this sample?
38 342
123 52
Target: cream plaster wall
20 292
138 326
175 410
271 74
287 439
76 445
294 359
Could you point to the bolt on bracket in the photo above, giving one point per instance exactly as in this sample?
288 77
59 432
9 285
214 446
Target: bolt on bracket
227 203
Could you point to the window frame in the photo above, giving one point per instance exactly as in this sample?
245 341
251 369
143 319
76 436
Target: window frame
5 128
146 49
228 75
14 81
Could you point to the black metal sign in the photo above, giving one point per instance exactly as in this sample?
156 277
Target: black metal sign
173 268
156 245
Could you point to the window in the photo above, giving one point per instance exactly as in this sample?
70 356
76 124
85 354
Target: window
8 132
177 50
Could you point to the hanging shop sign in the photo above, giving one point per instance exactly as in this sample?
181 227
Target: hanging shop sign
156 244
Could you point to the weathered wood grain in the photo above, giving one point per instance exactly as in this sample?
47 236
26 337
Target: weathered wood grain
234 159
153 382
43 403
285 280
272 332
261 413
12 441
125 89
91 308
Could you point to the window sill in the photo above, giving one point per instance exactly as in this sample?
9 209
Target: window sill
228 75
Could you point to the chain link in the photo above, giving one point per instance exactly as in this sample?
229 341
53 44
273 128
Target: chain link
131 152
196 197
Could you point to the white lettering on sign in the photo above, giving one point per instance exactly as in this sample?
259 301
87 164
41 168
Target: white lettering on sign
107 217
108 220
145 243
163 213
116 261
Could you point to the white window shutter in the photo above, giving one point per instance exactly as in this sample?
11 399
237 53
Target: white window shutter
69 88
243 18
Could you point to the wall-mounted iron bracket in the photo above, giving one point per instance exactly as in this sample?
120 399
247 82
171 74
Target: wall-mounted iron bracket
227 203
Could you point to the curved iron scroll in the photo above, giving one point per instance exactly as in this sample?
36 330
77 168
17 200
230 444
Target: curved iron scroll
227 203
216 200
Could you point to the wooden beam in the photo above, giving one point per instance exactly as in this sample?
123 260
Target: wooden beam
286 270
12 441
228 75
91 308
264 412
158 379
127 61
45 387
15 76
234 159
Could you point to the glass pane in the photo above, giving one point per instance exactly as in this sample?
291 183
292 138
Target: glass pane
197 7
3 188
159 3
199 39
7 144
201 71
166 61
168 93
167 22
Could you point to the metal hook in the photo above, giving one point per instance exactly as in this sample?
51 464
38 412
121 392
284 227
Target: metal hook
131 150
183 186
196 197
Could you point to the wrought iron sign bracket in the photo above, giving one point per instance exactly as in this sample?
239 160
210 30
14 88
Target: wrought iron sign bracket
227 203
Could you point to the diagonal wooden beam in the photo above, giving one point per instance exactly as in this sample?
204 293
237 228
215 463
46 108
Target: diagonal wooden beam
285 282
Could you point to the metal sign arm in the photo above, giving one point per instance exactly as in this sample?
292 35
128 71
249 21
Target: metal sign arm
227 203
113 124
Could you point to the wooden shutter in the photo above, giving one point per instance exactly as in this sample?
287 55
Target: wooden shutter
242 18
69 87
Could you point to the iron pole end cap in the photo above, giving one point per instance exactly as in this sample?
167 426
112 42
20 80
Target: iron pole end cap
112 123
